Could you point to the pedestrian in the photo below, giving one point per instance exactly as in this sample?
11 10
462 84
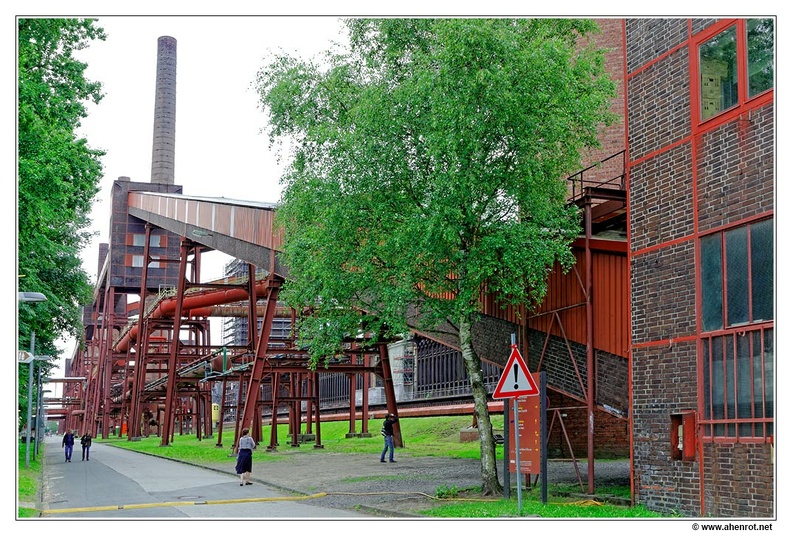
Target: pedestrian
387 432
68 444
85 441
244 465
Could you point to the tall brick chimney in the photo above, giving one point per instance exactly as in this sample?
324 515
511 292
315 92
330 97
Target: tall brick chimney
164 147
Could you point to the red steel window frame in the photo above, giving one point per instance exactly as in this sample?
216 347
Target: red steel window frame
737 363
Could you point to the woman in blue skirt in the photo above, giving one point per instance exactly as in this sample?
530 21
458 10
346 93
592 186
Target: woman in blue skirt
244 464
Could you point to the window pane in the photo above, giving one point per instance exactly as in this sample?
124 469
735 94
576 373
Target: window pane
762 260
760 55
138 240
711 283
155 241
768 379
717 379
705 349
745 407
737 276
728 369
718 65
758 379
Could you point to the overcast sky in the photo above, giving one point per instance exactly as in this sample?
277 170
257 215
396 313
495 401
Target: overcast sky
221 150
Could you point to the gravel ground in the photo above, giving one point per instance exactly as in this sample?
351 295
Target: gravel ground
401 489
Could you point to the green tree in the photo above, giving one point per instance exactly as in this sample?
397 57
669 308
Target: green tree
57 179
425 168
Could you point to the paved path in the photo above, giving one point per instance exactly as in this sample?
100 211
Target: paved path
118 484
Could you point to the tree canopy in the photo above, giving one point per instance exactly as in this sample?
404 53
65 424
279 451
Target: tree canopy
426 164
57 177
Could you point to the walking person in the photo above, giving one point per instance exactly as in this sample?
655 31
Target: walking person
244 465
68 444
387 432
85 441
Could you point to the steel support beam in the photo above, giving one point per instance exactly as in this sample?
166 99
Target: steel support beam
251 399
170 393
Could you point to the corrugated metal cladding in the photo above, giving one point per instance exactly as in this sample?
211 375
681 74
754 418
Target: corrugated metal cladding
249 223
610 303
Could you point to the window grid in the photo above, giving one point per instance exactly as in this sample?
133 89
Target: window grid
735 65
738 385
737 344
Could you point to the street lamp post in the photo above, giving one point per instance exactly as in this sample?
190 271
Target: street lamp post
40 413
31 297
30 360
30 398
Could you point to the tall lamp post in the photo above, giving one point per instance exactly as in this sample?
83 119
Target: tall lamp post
30 297
40 421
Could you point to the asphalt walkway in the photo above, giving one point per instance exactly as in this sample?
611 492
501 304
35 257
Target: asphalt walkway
118 483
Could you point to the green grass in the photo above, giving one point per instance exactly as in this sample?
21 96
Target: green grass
28 481
426 436
460 507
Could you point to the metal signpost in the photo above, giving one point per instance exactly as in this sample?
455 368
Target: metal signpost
516 381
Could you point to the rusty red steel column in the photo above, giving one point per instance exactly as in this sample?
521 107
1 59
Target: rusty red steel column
294 408
251 398
590 362
237 410
364 417
316 382
108 372
309 389
138 370
276 378
170 391
390 392
352 388
95 384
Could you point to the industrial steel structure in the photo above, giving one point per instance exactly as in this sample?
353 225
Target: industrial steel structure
625 320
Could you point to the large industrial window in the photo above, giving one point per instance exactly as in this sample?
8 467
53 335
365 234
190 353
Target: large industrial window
745 49
737 321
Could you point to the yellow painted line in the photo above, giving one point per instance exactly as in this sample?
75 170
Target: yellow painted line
180 503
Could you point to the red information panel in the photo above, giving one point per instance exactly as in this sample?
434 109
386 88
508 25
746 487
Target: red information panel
528 420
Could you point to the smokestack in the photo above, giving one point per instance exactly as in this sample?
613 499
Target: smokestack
164 148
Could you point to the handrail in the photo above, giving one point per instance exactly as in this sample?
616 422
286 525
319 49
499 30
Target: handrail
579 181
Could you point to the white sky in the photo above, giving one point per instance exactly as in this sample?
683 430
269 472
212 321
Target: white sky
220 147
221 150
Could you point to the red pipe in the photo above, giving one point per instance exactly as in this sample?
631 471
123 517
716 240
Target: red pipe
167 307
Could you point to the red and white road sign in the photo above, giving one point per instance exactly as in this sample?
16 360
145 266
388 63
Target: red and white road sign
516 379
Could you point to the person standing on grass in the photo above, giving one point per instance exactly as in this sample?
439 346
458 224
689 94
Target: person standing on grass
85 441
244 465
68 444
387 432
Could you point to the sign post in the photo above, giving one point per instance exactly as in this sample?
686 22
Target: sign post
516 381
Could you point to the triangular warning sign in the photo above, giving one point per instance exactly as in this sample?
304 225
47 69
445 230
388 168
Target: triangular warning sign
516 380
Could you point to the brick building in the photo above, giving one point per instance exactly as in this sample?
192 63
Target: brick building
700 131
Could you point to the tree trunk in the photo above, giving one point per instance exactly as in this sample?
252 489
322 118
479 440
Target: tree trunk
489 472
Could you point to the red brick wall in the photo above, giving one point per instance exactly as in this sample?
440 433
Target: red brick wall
611 434
732 181
739 480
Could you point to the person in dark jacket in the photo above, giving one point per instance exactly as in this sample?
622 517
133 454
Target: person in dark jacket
68 444
85 441
387 433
